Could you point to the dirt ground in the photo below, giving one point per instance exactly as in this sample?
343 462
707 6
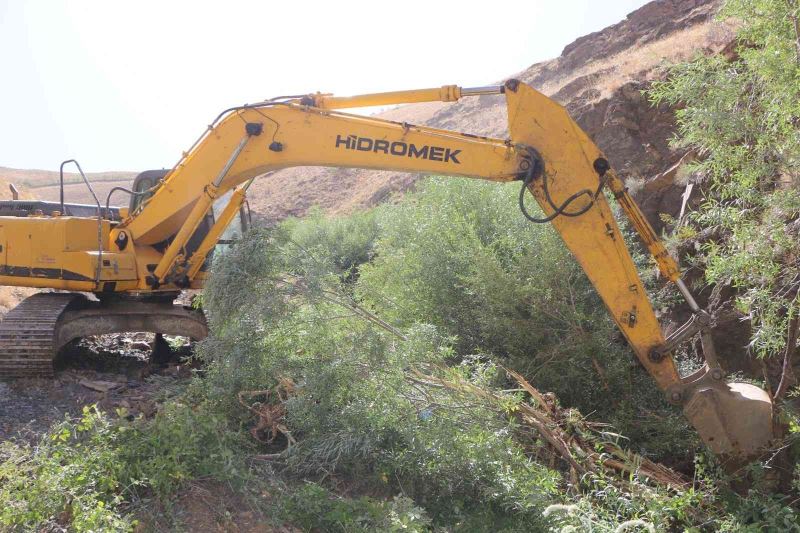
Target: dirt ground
111 371
114 371
210 506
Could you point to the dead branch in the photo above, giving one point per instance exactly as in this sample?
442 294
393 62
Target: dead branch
582 448
787 375
269 414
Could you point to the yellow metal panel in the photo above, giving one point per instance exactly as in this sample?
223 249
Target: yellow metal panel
3 245
19 232
447 93
315 137
115 266
46 247
48 283
594 237
81 233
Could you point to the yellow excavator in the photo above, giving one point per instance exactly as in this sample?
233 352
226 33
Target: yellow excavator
135 261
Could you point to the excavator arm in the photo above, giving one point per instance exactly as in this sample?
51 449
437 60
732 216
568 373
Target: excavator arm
547 152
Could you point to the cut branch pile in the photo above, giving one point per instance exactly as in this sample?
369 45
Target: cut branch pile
577 442
269 413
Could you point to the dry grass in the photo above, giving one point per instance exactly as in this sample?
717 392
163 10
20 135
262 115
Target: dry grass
35 178
79 194
631 63
564 434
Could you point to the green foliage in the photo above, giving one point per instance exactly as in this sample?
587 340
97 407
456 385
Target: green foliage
345 307
313 508
741 116
460 256
73 477
86 473
450 277
352 409
342 311
331 246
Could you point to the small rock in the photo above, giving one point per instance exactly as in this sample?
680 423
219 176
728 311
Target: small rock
99 386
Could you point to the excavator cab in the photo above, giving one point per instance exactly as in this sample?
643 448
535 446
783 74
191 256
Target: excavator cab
144 186
235 229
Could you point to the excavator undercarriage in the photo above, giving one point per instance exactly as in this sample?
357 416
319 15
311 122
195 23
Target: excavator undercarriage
33 333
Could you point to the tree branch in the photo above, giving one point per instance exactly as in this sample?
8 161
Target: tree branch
787 375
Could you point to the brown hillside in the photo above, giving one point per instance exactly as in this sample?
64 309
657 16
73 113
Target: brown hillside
35 178
44 184
78 193
5 190
598 78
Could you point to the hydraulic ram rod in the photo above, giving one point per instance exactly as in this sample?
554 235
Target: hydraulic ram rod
197 214
446 93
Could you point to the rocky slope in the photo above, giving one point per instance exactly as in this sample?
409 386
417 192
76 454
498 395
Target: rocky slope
599 78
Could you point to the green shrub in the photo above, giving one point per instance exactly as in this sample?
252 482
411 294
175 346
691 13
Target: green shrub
345 307
460 256
85 474
74 477
313 508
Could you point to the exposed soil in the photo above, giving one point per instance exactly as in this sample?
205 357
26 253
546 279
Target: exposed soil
112 371
211 506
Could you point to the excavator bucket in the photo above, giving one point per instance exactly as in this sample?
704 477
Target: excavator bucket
733 419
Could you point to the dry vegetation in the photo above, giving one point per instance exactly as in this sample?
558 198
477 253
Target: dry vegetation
44 184
607 75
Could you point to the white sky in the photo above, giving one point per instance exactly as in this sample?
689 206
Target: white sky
129 85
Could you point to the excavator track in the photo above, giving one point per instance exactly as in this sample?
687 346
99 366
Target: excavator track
27 335
32 333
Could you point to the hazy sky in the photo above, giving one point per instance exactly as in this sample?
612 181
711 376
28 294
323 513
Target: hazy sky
129 85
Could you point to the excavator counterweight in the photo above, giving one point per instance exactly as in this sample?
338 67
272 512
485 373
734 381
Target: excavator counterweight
161 243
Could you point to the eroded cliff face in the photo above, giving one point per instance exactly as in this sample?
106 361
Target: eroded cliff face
599 78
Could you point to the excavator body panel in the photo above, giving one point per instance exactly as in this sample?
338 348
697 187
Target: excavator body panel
59 249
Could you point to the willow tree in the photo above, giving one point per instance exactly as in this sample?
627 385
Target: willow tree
740 112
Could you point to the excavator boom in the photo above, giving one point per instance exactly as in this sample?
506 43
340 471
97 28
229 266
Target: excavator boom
162 243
